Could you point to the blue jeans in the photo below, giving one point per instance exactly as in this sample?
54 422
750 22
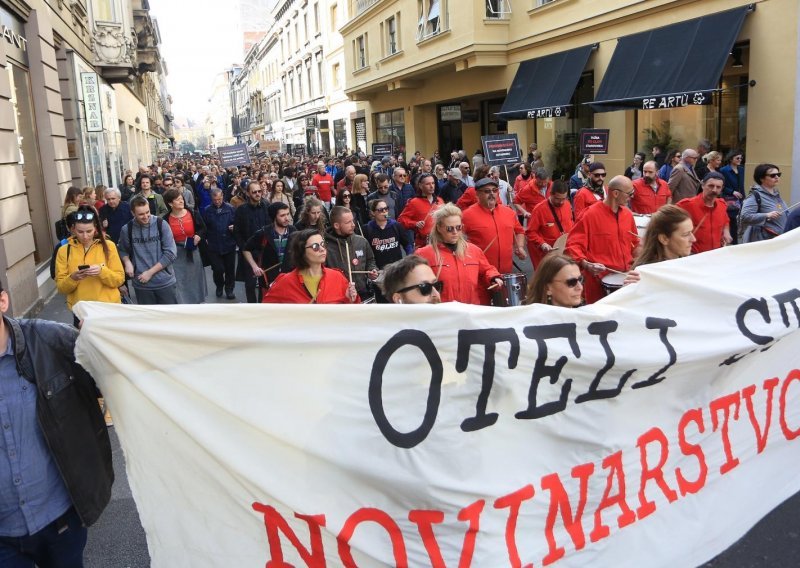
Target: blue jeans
58 545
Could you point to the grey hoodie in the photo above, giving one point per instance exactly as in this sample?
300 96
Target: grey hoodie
146 250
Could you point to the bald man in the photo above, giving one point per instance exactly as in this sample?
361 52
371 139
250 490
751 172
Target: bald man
604 238
649 192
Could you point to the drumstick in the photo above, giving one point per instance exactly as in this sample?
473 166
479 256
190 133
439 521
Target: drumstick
349 268
489 245
634 234
493 286
792 206
615 271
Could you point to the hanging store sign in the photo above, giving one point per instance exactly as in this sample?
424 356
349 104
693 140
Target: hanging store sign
91 102
594 141
450 113
677 100
13 31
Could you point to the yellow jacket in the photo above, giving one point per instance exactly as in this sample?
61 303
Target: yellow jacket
101 288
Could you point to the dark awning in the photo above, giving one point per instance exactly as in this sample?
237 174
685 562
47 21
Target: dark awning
674 66
543 86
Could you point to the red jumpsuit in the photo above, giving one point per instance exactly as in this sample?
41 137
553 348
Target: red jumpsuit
529 196
462 277
324 185
542 228
709 222
419 209
647 201
493 232
289 288
601 236
585 198
467 199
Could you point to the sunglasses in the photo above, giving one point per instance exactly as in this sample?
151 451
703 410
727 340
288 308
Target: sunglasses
425 288
316 247
83 216
774 175
599 174
572 282
381 209
345 195
453 228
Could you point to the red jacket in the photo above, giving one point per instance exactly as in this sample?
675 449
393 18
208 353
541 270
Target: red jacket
324 185
583 199
647 201
493 232
462 277
529 194
709 222
601 236
289 288
419 209
542 228
467 199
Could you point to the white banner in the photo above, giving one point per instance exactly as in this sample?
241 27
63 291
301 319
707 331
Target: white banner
651 429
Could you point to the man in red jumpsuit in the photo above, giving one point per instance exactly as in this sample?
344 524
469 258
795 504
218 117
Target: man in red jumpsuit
650 192
604 237
593 191
533 194
549 220
417 213
494 227
709 214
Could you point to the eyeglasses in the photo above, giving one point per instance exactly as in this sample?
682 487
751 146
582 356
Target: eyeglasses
347 195
316 247
599 174
623 191
453 228
381 209
777 175
571 282
425 288
83 216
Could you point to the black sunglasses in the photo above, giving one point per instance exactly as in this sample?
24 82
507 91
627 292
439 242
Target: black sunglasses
774 175
316 247
83 216
425 288
572 282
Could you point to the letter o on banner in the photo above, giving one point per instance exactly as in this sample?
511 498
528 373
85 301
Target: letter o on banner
423 342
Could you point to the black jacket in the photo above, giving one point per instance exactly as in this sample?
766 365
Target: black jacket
67 411
262 248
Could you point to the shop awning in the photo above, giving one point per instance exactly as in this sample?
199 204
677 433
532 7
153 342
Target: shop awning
674 66
543 86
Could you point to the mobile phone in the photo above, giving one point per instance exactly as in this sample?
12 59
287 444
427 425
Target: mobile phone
83 267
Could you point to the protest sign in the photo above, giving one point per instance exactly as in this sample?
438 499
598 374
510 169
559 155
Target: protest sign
653 428
594 141
382 150
501 149
235 155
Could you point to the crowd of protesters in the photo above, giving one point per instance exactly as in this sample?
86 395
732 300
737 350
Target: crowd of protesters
358 216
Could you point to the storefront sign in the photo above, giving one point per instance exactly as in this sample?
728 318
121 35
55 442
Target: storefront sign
549 112
14 33
677 101
235 155
501 149
91 102
594 141
450 113
379 150
470 116
311 122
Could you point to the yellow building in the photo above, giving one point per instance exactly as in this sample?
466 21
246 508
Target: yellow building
433 75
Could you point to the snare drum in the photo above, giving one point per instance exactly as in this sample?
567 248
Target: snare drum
612 282
512 292
641 220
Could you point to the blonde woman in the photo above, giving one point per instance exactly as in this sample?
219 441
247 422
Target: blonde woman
462 266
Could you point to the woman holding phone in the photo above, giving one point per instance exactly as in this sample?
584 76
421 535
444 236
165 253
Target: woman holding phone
88 267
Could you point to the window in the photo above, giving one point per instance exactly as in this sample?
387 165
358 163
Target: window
543 2
391 36
334 17
498 8
430 18
316 18
335 76
360 45
309 81
390 127
299 85
297 39
106 11
305 28
319 77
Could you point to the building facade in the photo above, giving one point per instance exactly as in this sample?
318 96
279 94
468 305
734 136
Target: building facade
434 75
220 113
66 119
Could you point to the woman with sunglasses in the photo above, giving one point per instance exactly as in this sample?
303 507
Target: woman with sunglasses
558 282
763 214
459 264
386 236
310 282
410 280
88 267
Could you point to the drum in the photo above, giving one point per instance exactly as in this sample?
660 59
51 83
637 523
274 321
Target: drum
641 220
612 282
513 291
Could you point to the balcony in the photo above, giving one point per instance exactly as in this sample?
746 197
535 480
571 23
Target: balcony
147 40
359 6
114 49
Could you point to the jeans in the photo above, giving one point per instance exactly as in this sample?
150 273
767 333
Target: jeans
58 545
160 296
